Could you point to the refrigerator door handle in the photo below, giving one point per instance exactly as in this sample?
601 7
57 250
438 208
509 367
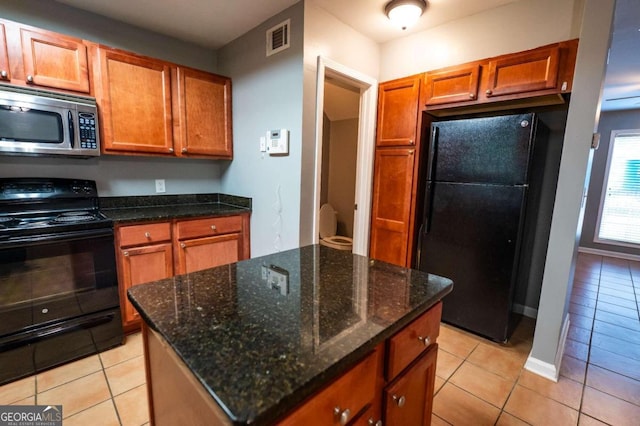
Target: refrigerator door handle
432 151
428 201
419 251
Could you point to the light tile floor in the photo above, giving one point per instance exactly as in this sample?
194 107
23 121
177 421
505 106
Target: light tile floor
105 389
483 383
478 382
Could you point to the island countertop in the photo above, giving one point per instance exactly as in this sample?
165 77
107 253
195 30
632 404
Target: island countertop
262 335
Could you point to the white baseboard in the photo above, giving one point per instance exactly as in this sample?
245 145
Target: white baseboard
545 369
608 253
527 311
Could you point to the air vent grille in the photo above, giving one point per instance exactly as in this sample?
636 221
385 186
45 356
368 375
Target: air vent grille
278 37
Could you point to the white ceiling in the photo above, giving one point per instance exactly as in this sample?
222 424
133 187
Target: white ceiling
214 23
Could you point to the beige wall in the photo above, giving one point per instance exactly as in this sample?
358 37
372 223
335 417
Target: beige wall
510 28
342 172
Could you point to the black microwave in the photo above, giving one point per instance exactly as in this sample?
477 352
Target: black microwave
37 122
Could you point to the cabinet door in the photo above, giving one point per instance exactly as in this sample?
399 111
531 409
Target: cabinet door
203 127
459 84
135 103
54 60
391 212
408 400
208 252
522 73
140 265
5 69
398 112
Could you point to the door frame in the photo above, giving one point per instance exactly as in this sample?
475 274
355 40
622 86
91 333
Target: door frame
366 145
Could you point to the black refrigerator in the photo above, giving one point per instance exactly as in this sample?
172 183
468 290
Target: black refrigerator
478 209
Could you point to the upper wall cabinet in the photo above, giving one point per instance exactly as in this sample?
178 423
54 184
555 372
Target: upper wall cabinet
43 58
398 105
152 107
532 78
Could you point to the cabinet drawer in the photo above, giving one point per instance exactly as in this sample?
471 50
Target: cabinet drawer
412 340
135 235
343 399
205 227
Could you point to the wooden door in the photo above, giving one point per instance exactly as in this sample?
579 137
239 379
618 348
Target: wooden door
208 252
5 69
391 211
53 60
452 85
203 125
522 73
140 265
134 99
398 112
408 400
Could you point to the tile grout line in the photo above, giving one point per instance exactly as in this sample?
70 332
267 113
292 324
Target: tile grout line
113 401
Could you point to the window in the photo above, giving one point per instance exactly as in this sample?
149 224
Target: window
619 216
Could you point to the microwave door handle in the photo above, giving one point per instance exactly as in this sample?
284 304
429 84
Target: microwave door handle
72 132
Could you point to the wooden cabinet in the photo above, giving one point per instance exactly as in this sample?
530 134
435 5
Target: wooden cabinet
536 77
144 255
44 59
398 104
408 399
351 394
363 397
392 204
153 251
5 70
152 107
452 85
206 243
134 96
204 111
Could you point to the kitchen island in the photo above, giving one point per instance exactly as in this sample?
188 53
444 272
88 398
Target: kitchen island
262 340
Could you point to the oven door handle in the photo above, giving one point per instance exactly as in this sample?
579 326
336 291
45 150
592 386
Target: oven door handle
28 240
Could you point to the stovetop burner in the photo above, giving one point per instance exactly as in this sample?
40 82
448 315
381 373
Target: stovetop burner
74 217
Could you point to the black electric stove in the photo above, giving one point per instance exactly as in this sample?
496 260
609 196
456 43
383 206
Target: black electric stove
59 296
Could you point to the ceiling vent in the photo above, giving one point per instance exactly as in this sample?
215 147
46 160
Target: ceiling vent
278 37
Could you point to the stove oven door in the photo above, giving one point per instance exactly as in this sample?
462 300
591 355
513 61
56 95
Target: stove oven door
58 300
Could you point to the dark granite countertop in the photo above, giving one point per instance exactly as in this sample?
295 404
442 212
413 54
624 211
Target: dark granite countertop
162 207
260 348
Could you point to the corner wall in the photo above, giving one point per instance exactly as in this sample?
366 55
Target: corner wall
267 94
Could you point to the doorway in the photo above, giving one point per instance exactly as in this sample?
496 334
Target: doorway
345 130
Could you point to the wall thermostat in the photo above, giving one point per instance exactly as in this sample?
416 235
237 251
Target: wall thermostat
278 142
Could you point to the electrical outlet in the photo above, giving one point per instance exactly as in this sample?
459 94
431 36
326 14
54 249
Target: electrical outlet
278 279
160 186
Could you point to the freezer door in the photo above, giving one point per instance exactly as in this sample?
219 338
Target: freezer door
482 150
472 238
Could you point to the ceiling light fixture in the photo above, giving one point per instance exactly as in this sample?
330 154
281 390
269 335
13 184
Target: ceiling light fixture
405 13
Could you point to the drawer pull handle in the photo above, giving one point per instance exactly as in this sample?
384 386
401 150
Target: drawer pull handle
126 253
29 79
147 234
4 74
374 423
213 227
399 400
488 92
472 95
425 340
343 416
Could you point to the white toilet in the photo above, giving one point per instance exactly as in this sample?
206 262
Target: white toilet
328 226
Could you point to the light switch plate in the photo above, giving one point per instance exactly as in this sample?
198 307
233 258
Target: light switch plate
160 186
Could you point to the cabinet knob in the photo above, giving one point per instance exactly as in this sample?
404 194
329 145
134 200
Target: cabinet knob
213 227
170 149
472 95
4 74
412 142
372 422
425 340
488 91
126 253
183 245
410 152
29 78
399 400
184 149
147 234
342 416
